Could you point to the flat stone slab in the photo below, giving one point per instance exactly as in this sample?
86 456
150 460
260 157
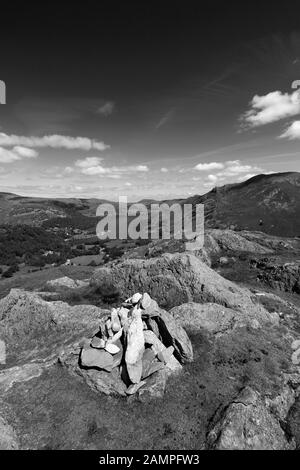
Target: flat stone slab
99 358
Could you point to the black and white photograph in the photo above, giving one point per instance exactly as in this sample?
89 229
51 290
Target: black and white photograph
149 230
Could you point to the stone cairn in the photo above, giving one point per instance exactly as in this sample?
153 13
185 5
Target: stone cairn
130 339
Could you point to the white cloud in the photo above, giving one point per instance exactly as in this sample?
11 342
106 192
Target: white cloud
106 109
233 169
140 168
17 153
95 170
212 178
246 177
25 152
92 166
209 166
8 156
68 170
88 162
52 141
271 108
292 132
165 118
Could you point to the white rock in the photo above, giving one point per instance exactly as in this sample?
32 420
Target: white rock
108 325
146 300
158 347
136 298
135 347
151 338
2 352
123 315
112 348
296 344
115 322
296 357
166 354
116 337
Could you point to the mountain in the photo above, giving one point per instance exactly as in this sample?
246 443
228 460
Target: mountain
269 203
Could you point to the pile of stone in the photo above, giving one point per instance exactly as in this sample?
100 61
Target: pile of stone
139 339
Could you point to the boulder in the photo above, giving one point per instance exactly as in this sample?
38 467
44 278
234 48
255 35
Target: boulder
154 387
248 424
217 241
176 279
32 327
283 277
109 383
213 318
65 282
100 381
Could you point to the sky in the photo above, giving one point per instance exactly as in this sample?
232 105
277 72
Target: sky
147 99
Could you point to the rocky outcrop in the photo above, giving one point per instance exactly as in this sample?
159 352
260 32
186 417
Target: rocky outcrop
217 241
213 318
65 282
176 279
248 424
32 327
283 277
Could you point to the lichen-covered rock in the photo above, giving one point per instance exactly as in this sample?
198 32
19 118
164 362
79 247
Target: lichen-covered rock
65 282
283 277
214 318
158 347
96 358
248 424
174 335
8 438
109 383
176 279
32 327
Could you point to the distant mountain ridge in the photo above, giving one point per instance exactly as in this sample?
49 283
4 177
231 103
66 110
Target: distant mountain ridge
270 203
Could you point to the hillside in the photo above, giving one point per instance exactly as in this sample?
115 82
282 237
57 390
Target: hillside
269 203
